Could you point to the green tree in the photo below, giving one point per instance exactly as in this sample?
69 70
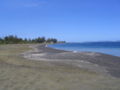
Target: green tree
1 41
40 40
12 39
51 40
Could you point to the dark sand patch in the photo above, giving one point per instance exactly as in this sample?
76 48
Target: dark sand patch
96 61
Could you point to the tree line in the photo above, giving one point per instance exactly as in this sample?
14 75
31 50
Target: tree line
11 39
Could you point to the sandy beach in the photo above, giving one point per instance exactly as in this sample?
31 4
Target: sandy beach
97 62
43 68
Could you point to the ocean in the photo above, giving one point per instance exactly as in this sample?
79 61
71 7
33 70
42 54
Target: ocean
111 48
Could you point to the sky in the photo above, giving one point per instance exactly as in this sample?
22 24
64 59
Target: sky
67 20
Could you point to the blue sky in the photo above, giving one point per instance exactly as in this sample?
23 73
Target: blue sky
69 20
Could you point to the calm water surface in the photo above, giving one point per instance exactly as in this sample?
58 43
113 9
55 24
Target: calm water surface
107 48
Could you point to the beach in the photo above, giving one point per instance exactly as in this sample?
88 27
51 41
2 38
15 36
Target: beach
60 45
97 62
31 67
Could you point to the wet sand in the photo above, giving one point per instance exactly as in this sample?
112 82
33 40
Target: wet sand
98 62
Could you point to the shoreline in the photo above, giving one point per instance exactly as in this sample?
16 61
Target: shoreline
98 62
82 51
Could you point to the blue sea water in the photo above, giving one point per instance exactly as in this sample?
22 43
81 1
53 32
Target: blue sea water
111 48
